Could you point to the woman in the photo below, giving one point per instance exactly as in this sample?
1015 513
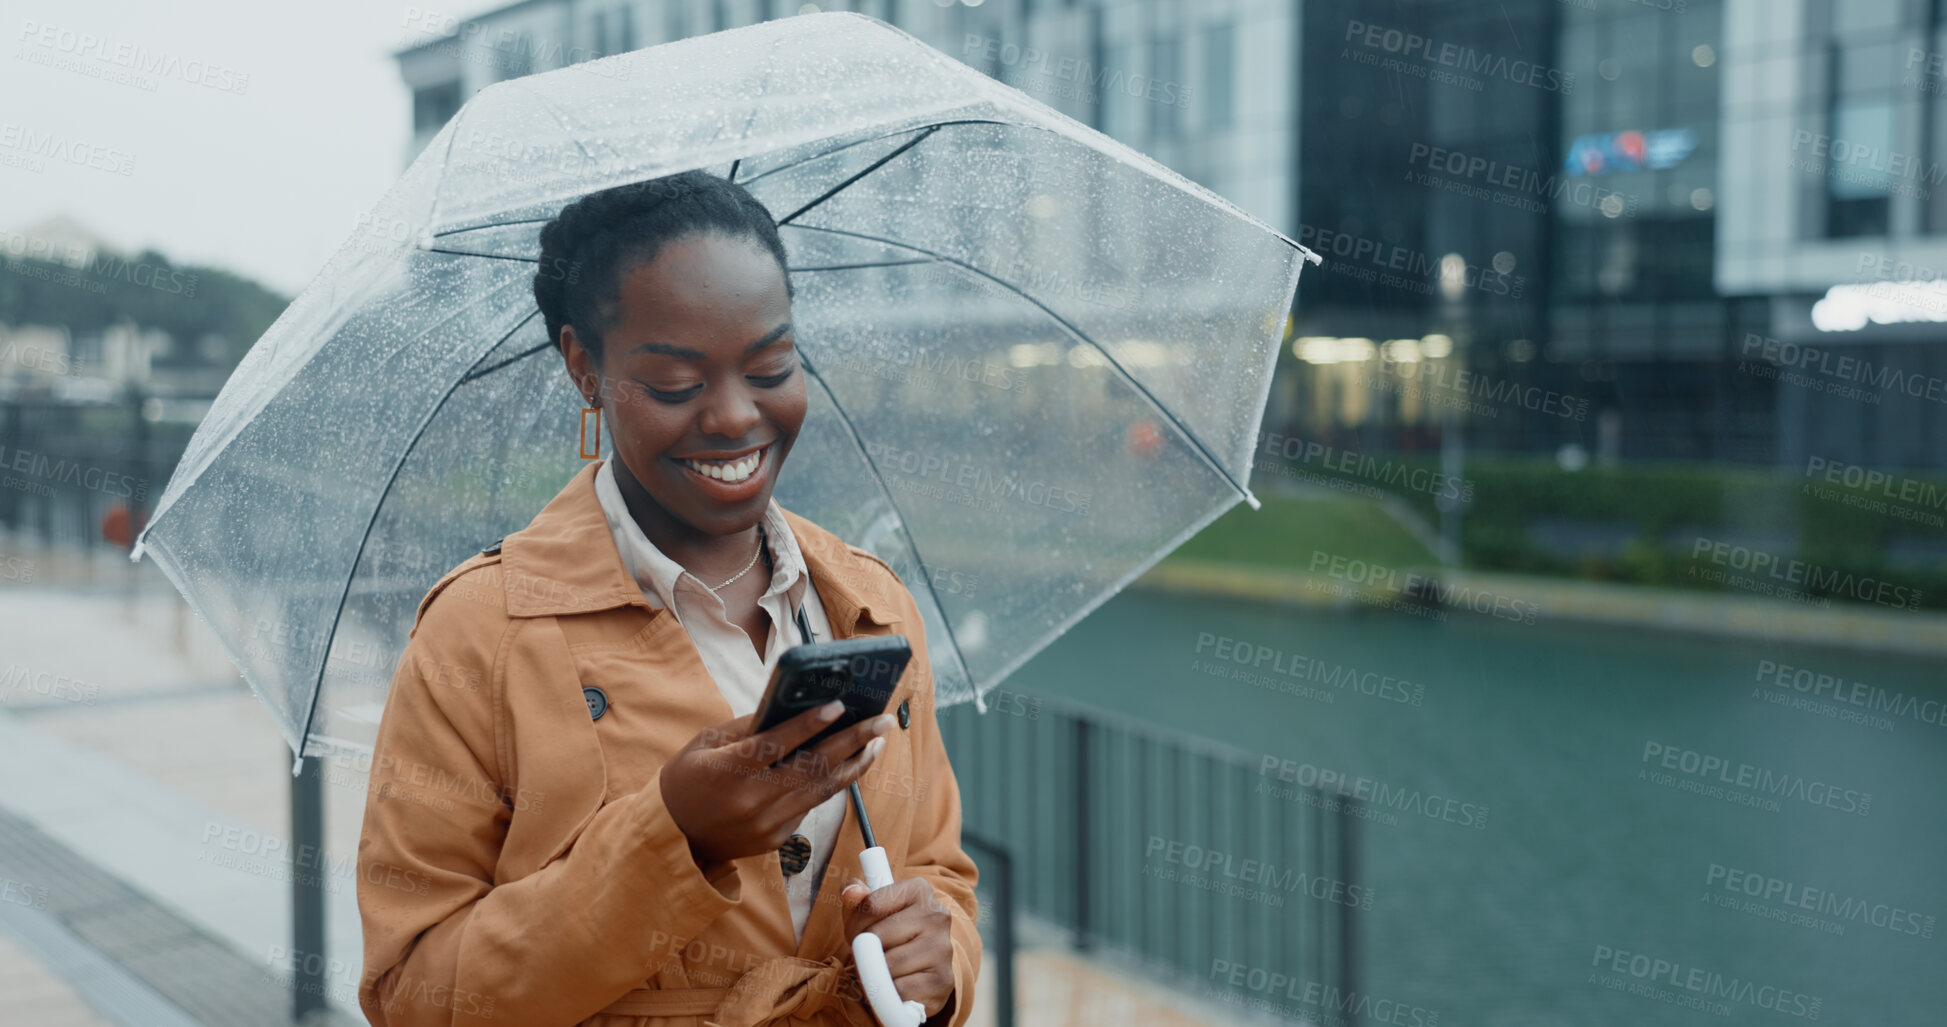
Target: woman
566 825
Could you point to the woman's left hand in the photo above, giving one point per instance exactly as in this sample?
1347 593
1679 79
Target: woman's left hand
915 929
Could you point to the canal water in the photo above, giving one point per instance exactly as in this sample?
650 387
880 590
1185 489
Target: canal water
1575 824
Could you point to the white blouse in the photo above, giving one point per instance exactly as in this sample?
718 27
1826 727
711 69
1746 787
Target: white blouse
726 648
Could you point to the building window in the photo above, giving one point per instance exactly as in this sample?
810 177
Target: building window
598 27
517 60
1213 93
1160 91
1859 193
434 106
1867 168
614 31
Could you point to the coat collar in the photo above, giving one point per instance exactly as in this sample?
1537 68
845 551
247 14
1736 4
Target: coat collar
565 562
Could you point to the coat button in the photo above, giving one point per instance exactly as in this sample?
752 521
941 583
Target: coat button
905 713
794 854
597 702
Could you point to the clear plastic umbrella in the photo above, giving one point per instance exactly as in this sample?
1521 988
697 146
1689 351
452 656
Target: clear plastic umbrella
1036 359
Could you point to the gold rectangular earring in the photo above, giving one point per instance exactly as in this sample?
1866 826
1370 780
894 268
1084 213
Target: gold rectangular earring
585 454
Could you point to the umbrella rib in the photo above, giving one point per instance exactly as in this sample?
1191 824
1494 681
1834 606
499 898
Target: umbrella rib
496 224
912 544
522 355
1167 414
861 173
821 155
548 106
486 256
854 267
366 536
764 174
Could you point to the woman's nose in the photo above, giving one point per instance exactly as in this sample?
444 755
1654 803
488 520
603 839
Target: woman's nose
731 413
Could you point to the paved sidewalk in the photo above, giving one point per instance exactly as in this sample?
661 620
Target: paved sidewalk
32 994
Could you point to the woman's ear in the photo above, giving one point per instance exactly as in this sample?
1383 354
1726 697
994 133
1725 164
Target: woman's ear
581 369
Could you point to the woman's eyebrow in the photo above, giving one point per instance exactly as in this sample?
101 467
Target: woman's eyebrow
689 354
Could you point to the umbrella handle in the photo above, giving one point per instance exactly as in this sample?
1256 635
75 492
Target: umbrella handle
869 954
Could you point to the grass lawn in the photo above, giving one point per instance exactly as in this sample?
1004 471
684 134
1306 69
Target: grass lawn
1288 530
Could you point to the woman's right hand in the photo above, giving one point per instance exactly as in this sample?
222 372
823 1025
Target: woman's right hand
730 802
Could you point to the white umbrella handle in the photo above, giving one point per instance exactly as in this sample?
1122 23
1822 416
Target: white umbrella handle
870 956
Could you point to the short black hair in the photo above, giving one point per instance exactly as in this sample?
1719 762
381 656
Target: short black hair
604 233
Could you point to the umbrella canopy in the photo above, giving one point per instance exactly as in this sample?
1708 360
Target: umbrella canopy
1036 359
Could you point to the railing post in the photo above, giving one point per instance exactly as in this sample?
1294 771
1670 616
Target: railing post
1004 940
1084 929
307 892
1348 855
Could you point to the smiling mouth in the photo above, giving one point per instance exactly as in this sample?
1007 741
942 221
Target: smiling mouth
731 472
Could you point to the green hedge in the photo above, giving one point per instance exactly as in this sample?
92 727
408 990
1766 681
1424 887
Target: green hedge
1687 502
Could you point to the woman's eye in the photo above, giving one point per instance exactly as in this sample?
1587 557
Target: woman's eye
771 381
671 396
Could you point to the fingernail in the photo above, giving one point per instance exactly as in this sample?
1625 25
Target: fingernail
882 724
831 710
878 745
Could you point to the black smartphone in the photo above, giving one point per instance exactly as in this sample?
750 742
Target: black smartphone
860 672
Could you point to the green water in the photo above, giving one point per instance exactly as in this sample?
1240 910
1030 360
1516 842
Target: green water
1546 726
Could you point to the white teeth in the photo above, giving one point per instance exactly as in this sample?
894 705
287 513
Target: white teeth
730 473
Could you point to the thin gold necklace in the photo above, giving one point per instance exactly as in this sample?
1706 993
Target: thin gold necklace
748 566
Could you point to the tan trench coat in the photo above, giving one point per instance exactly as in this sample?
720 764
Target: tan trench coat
517 865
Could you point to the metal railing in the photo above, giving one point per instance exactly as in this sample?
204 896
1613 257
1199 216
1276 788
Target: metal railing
1111 825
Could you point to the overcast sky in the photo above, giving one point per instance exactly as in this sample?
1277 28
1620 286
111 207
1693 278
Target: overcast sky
265 181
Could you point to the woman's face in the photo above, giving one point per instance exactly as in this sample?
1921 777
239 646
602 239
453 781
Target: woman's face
701 388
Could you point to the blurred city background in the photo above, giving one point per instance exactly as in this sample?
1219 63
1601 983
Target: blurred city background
1582 665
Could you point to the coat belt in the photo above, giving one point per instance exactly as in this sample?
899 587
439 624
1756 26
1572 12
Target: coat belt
784 987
